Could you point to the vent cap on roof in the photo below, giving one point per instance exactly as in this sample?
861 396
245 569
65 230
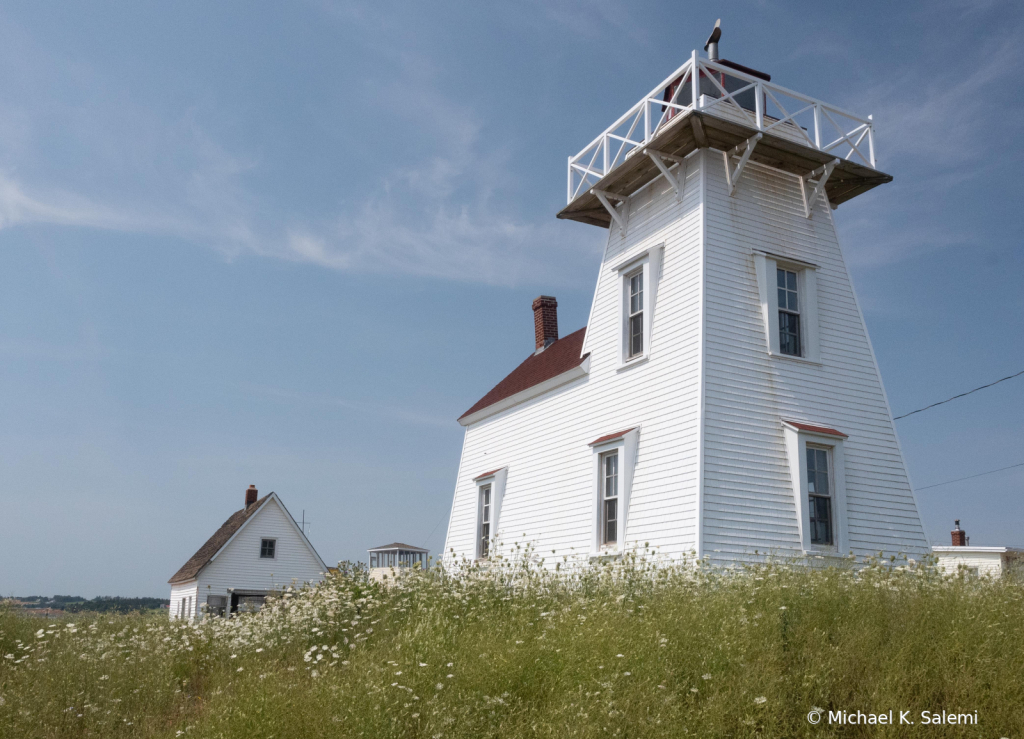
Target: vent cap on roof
711 47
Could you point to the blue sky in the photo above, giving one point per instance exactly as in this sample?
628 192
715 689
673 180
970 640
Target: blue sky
288 244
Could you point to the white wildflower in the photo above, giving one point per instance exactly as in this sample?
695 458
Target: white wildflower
706 676
693 690
439 686
760 699
239 669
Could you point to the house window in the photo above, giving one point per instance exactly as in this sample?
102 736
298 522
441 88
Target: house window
609 498
216 605
635 323
788 293
485 520
268 548
789 312
819 490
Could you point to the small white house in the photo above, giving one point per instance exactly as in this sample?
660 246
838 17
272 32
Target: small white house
258 550
977 561
389 560
723 399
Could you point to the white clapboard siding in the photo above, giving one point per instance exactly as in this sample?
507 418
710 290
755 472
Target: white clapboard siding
712 473
549 499
183 600
748 498
995 562
238 565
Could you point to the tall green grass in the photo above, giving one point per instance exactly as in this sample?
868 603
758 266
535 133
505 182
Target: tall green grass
629 649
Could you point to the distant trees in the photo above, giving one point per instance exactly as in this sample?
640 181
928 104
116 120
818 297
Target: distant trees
99 604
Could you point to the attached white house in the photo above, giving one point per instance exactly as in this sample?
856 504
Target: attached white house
978 561
723 399
258 550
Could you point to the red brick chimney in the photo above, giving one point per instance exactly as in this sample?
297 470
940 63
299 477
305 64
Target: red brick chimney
545 321
250 496
959 535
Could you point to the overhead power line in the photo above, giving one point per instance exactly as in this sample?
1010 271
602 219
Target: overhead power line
1004 379
971 477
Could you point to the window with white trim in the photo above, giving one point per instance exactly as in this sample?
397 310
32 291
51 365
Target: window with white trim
639 275
490 491
819 494
789 312
635 317
817 465
485 522
609 498
614 461
788 291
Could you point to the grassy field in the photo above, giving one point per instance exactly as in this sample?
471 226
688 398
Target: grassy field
625 650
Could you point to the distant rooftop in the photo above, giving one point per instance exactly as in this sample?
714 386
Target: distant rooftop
398 545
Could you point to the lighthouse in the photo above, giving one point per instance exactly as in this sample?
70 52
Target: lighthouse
723 400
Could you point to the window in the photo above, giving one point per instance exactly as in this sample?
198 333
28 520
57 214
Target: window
485 520
490 491
635 338
267 548
819 490
609 497
638 277
817 465
788 291
216 605
789 313
613 463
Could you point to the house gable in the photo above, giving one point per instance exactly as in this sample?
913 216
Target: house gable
238 564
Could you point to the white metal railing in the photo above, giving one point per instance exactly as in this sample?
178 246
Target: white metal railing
717 89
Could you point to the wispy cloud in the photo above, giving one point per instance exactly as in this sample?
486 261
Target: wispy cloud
940 129
445 209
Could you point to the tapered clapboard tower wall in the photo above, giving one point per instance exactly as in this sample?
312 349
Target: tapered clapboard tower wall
724 399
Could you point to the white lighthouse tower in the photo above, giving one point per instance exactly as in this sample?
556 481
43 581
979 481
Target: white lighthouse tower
723 399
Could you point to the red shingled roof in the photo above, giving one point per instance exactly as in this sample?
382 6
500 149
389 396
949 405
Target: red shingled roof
816 429
610 437
488 474
199 560
560 357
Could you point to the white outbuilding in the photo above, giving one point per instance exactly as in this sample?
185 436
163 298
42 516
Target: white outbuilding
723 399
258 550
978 561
